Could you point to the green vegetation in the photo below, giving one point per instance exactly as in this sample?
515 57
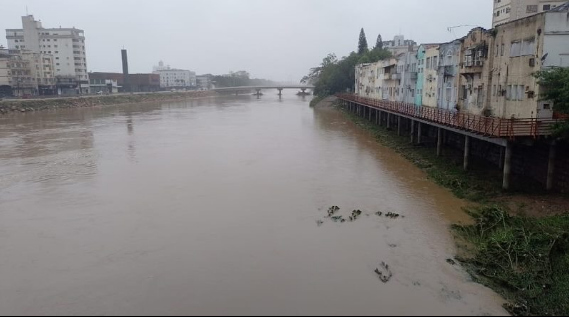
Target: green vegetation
362 44
239 79
525 259
556 83
316 100
379 43
335 76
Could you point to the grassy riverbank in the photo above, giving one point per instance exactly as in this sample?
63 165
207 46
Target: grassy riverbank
30 105
525 259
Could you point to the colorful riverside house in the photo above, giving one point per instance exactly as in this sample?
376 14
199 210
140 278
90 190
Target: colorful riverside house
407 70
368 81
391 80
421 68
521 48
430 74
448 78
475 72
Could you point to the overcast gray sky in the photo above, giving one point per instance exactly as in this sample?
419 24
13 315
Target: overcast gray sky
274 39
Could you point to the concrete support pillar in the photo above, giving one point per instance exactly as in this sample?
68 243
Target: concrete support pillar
388 121
377 112
501 161
399 125
551 165
466 152
419 132
412 131
439 142
508 165
258 92
369 110
280 92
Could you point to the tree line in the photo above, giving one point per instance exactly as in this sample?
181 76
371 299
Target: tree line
239 79
335 75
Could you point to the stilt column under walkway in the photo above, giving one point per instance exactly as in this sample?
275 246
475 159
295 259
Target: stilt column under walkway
466 152
508 165
439 142
551 165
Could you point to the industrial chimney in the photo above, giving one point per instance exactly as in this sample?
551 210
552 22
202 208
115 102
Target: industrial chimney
126 84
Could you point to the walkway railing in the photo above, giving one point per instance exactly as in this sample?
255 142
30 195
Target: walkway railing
487 126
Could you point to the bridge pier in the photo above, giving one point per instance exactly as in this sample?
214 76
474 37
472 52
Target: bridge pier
280 91
398 125
388 121
258 92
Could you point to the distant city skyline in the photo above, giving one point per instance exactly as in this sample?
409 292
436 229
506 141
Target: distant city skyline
277 40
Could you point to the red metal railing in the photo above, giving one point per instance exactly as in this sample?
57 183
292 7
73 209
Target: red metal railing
487 126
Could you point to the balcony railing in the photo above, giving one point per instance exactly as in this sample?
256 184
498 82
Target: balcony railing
486 126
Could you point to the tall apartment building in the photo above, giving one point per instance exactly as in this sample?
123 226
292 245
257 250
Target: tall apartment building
67 45
5 73
24 72
510 10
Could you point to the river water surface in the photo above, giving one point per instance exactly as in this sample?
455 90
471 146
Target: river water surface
210 206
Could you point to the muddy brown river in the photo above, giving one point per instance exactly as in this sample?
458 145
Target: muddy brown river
210 206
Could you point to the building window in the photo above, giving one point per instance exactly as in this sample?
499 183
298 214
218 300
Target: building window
546 7
531 9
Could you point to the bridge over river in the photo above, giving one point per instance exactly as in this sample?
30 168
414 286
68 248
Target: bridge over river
258 89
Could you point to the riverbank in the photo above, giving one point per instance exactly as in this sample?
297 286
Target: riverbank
31 105
519 244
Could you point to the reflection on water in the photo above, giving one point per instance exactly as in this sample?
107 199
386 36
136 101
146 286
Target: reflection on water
210 207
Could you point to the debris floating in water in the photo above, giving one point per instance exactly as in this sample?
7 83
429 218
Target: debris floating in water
384 272
356 214
333 210
392 215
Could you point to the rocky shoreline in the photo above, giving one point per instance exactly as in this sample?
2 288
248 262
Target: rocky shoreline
32 105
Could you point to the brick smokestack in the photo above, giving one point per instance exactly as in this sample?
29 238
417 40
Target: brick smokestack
126 83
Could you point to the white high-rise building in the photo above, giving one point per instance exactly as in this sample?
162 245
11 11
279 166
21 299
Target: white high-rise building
67 45
175 78
510 10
